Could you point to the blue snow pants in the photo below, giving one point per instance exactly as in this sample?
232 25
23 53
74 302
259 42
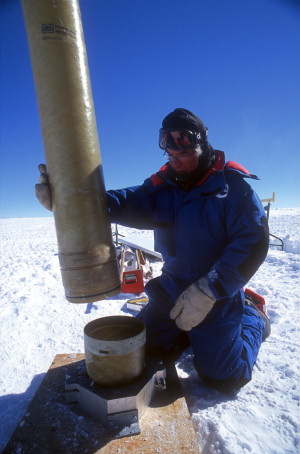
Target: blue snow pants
225 345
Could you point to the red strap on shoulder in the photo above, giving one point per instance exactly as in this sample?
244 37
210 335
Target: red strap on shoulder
236 166
156 179
218 165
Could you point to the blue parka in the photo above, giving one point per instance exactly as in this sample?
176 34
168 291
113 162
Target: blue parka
217 229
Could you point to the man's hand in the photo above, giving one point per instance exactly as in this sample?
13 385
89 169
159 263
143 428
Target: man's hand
42 189
193 305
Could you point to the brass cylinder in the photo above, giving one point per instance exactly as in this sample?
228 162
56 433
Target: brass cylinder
87 256
114 349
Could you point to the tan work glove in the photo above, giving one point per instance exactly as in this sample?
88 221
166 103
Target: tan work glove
42 189
193 305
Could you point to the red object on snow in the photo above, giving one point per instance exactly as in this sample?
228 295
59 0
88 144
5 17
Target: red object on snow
257 299
132 281
132 276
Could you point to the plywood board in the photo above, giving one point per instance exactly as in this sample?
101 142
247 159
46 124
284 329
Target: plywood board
51 426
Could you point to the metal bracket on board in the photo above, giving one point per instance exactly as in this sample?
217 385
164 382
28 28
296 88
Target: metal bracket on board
119 408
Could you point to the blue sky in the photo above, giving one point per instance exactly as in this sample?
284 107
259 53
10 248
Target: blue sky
236 64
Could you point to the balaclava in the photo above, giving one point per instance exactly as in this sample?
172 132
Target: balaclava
184 119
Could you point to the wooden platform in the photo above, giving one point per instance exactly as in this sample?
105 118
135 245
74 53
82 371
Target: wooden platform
50 426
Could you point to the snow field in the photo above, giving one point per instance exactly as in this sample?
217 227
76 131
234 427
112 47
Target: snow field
37 323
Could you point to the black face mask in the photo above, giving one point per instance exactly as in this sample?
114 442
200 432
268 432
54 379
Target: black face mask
188 181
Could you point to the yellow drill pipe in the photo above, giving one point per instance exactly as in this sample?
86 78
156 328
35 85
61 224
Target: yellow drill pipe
87 256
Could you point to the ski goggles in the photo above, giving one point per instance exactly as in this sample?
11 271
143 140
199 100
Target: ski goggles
178 139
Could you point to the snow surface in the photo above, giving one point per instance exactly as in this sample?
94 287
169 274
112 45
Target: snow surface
37 323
